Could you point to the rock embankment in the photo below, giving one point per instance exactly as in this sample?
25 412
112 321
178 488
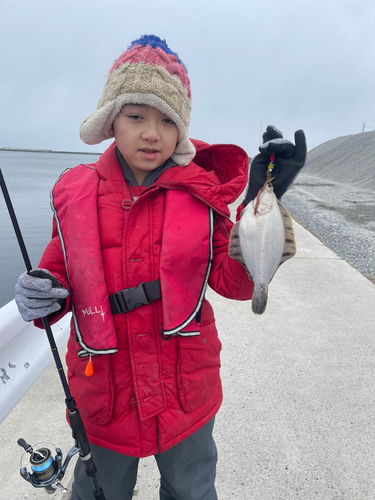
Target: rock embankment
334 198
348 160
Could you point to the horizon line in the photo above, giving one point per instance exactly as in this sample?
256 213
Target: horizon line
48 151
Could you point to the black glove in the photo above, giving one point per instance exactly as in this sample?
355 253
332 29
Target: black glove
289 159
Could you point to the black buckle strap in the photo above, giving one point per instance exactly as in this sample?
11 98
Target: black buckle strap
130 298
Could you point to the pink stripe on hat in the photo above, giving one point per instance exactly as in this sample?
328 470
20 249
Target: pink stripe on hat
154 57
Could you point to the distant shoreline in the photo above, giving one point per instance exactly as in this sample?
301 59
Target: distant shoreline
20 150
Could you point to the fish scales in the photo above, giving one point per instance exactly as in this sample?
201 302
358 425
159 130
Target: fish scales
261 241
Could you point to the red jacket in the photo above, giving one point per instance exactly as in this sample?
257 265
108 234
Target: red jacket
149 393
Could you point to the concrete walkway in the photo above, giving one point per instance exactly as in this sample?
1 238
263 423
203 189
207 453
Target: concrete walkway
298 414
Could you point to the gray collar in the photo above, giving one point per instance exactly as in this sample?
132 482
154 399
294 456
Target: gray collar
150 178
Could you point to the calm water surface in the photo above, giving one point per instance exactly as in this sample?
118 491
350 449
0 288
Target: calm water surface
29 178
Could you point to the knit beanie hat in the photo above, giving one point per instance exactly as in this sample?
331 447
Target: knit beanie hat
147 73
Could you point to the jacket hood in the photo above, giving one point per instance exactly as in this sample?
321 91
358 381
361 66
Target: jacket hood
217 175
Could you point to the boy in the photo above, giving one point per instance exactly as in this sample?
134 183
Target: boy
136 239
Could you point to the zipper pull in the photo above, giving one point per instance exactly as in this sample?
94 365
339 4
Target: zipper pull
89 368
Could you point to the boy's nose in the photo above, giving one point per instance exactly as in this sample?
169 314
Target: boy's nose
150 132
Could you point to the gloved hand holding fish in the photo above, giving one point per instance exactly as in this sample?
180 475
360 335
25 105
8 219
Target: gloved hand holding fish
263 238
289 160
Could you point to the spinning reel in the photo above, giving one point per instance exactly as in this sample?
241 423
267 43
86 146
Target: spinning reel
46 470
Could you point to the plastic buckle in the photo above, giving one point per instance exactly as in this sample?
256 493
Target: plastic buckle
131 298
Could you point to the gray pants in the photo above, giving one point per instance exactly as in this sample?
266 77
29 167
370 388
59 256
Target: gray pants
187 471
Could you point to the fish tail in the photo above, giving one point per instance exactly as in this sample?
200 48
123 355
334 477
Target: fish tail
260 296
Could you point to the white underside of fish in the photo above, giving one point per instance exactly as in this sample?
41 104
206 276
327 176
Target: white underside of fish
261 242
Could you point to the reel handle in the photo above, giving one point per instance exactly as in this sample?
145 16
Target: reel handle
27 447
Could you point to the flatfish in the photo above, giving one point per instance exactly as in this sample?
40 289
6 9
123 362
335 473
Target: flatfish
261 241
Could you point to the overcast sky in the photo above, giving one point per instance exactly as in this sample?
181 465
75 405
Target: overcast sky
306 64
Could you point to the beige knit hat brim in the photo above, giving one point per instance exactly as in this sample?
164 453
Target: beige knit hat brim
97 127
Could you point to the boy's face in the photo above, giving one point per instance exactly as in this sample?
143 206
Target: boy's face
145 137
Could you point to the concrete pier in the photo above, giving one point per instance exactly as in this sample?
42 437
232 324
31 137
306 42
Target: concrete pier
298 410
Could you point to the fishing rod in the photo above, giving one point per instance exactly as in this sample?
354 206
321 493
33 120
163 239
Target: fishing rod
46 471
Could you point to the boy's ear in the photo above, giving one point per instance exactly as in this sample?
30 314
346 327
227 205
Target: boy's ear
111 132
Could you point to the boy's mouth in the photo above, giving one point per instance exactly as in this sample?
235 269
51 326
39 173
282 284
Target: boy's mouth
149 153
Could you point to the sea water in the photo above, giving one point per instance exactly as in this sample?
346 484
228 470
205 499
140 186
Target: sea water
29 177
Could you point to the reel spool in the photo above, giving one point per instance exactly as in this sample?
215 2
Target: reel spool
42 464
46 469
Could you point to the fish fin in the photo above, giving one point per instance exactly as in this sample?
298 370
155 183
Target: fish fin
234 248
290 244
259 299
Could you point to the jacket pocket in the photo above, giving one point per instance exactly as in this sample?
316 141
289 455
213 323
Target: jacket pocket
93 395
198 371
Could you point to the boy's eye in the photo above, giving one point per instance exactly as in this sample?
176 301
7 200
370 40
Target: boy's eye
168 120
134 117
